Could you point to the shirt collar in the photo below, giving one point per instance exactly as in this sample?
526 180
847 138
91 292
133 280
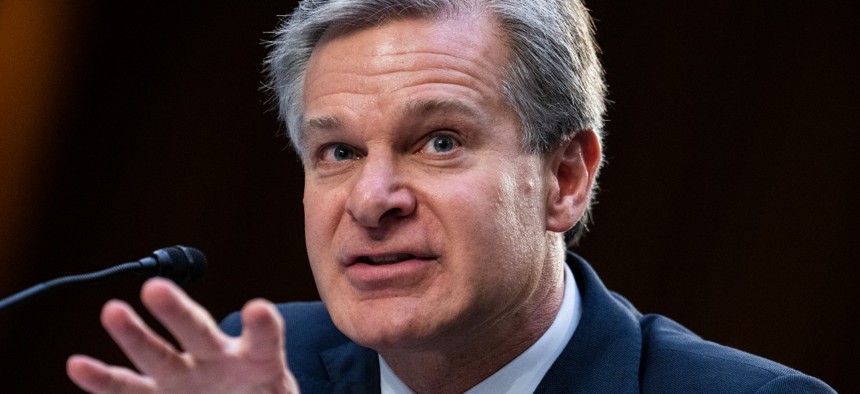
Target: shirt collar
524 373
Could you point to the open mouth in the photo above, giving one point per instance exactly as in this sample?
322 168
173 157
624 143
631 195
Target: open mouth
385 260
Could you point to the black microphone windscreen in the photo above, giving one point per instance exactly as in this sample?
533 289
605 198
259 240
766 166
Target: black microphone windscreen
181 264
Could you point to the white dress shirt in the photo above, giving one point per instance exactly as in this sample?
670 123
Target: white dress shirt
524 373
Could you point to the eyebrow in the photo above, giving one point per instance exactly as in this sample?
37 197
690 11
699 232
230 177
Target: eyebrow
320 123
412 108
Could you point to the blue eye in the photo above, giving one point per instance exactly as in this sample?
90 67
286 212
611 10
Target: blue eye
440 144
339 152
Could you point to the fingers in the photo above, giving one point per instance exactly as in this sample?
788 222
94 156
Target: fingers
95 377
191 325
211 359
148 351
263 331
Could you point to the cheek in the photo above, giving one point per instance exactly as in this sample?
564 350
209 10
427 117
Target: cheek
516 221
312 213
313 232
323 211
492 217
512 206
320 223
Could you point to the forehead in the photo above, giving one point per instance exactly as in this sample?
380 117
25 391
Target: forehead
460 25
465 35
459 50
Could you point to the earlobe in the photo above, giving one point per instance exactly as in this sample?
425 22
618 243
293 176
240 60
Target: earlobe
573 168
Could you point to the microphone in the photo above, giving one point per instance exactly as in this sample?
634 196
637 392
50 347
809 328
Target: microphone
180 264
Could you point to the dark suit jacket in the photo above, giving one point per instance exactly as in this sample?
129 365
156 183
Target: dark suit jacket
615 349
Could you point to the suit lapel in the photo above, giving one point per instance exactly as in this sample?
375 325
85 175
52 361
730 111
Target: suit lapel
350 368
603 354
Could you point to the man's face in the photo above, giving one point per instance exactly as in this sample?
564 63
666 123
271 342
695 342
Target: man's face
424 218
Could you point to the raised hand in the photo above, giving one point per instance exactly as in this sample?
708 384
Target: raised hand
209 362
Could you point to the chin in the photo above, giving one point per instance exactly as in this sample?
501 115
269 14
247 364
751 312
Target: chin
387 324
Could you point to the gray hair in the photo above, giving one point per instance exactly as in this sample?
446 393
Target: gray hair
554 80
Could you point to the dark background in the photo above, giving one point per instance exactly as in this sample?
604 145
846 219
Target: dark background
729 202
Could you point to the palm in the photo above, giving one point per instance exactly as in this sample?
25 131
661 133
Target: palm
211 362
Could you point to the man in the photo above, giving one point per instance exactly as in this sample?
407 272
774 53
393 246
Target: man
448 146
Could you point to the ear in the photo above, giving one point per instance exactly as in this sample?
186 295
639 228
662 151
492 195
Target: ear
572 169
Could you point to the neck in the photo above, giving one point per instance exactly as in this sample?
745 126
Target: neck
462 364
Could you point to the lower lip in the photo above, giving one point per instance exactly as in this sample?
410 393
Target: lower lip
405 274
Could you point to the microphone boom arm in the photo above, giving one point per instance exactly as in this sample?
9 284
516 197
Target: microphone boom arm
67 280
179 263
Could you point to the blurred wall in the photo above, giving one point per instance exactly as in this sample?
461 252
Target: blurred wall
728 202
35 38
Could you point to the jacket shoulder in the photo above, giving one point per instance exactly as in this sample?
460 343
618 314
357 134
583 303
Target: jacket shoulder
676 360
309 331
301 319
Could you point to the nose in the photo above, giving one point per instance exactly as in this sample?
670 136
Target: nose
379 195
